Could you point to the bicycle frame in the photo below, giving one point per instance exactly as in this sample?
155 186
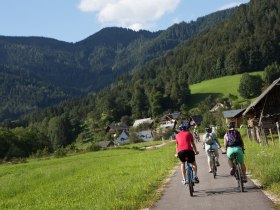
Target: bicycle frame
238 173
189 176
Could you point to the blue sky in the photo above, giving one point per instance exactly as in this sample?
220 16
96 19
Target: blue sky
75 20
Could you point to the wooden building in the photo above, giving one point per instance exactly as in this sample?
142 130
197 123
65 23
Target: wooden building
234 116
264 115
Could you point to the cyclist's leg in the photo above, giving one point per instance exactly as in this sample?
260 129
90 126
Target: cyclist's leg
191 160
183 171
183 157
240 159
230 151
207 147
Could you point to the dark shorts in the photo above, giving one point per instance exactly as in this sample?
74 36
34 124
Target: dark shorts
186 155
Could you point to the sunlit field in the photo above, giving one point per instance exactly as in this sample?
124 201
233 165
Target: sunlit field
110 179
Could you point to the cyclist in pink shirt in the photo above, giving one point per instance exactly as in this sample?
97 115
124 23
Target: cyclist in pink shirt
186 151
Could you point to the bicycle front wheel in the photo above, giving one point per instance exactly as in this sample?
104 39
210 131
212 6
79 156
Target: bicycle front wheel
190 182
239 178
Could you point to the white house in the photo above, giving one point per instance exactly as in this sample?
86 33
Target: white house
141 121
146 135
169 120
123 138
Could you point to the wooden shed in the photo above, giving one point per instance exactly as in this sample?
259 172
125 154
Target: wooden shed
264 114
234 116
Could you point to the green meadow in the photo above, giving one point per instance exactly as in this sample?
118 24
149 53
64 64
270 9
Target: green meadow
219 87
126 177
109 179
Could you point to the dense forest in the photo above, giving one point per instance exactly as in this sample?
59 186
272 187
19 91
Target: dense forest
46 71
240 40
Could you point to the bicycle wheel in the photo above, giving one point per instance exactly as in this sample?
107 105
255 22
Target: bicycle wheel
190 182
239 178
214 168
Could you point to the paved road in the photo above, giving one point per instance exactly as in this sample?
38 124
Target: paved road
220 193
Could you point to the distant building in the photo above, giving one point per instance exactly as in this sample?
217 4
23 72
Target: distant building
168 121
114 127
146 135
234 116
264 114
122 138
142 121
105 144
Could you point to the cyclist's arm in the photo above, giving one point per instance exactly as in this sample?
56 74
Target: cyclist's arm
218 142
194 147
176 153
242 143
225 142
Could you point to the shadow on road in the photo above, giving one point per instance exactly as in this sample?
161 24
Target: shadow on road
223 191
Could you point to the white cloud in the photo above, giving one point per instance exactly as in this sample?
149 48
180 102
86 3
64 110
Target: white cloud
230 5
134 14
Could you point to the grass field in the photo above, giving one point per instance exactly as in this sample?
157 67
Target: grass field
220 87
110 179
263 164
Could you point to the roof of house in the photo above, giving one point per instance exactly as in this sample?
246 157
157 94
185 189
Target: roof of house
105 144
197 118
125 132
216 107
140 121
262 96
233 113
117 126
173 116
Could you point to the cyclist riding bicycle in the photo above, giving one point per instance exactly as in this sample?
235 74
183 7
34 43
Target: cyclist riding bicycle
196 133
186 151
233 143
210 141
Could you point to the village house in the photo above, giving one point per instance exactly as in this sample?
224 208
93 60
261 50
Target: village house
123 138
169 120
234 116
264 115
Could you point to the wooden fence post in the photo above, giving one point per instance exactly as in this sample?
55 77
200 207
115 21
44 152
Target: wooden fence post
277 125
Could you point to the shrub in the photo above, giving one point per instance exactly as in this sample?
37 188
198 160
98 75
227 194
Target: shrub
93 147
60 152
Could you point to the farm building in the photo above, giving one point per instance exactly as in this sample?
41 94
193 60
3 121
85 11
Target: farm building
169 120
234 116
122 138
264 114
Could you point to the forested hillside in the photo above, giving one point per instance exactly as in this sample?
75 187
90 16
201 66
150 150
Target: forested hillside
37 72
246 41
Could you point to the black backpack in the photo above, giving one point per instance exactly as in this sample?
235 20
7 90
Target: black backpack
234 138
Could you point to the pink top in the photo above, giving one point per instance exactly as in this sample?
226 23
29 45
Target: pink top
183 141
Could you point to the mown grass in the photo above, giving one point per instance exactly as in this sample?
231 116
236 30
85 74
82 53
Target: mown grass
264 164
110 179
219 87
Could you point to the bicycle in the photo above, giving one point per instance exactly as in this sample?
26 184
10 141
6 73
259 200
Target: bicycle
190 178
238 172
196 136
213 161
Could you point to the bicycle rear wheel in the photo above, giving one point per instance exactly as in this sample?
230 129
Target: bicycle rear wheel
190 182
214 168
239 178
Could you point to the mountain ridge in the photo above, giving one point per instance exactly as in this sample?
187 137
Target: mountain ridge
66 70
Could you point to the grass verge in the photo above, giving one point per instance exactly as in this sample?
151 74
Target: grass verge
263 163
110 179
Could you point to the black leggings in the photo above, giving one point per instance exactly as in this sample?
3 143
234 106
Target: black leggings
186 155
